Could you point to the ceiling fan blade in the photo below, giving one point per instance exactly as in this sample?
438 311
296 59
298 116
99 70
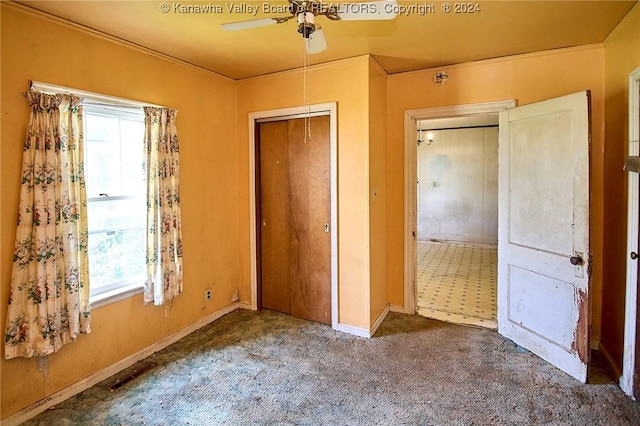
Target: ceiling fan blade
316 42
253 23
368 11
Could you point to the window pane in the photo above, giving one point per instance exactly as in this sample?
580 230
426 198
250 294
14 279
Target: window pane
114 166
103 169
102 128
116 241
132 134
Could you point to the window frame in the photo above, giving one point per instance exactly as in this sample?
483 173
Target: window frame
129 286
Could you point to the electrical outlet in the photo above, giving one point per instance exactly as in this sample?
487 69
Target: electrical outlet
207 294
235 297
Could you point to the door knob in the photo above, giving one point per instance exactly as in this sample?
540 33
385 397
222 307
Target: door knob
634 255
576 260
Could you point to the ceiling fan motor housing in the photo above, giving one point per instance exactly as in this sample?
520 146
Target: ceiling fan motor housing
314 6
306 24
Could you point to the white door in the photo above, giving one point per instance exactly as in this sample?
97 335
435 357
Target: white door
543 230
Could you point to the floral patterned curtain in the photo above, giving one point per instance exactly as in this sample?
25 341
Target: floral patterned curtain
49 301
164 225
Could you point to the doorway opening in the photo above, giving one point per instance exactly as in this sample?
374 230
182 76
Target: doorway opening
543 223
457 219
328 227
451 232
630 380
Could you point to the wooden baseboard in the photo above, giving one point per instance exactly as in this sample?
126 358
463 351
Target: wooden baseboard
97 377
379 320
246 305
351 329
361 331
397 308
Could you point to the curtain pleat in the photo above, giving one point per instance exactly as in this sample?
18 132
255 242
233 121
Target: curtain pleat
164 225
49 300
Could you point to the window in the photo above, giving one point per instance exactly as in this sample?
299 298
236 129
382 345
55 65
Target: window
115 182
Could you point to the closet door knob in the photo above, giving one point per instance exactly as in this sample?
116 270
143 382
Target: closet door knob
634 255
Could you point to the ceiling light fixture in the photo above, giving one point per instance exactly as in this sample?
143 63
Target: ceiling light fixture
421 138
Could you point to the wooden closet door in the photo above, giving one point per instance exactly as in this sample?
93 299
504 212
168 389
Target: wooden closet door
310 213
274 212
295 214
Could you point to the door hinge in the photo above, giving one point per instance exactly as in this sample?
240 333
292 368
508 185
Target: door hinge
589 266
413 233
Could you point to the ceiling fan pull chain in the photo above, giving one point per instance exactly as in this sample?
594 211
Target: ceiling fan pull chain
305 89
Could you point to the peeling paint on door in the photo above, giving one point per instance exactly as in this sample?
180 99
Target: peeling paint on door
580 344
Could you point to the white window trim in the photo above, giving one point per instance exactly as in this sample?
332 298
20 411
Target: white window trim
116 295
132 286
127 113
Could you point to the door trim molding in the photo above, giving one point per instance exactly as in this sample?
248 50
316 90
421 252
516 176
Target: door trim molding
330 109
411 176
631 302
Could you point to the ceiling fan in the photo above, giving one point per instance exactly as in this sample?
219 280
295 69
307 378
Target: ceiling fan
306 10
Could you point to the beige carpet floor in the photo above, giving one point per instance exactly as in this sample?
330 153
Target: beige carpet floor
266 368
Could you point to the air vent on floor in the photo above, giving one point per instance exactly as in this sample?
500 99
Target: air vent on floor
137 372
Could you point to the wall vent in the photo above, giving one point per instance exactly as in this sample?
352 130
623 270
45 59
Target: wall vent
135 373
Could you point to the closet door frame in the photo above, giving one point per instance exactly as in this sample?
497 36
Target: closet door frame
331 110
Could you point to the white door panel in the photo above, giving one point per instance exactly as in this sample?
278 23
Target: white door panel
527 291
535 169
543 223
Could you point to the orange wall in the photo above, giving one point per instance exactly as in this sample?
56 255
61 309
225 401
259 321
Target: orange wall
45 50
527 78
344 82
621 57
377 183
213 128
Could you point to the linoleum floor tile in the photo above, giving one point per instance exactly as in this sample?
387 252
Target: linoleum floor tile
457 283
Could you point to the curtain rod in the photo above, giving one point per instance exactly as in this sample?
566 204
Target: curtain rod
90 96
